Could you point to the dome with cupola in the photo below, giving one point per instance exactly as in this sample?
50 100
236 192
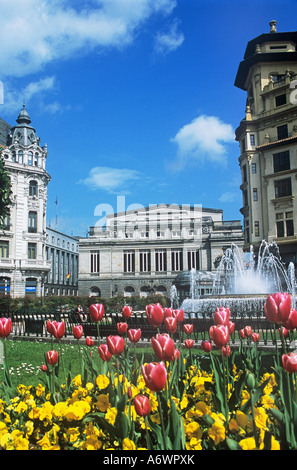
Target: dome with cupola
23 133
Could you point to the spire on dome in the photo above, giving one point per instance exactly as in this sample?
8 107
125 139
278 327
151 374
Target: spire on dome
23 117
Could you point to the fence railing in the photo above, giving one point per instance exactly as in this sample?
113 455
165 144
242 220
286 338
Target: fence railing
34 325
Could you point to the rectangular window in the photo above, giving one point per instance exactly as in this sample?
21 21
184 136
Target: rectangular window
255 194
254 168
177 259
243 146
129 261
4 249
244 174
282 132
160 261
283 188
281 161
32 251
252 139
284 224
280 100
95 261
32 222
193 259
257 229
145 261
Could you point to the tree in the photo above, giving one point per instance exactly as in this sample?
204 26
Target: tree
5 190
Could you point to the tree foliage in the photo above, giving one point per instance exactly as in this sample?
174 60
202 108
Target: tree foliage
5 190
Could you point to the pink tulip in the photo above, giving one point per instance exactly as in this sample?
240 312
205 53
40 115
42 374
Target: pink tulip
134 335
170 324
255 337
96 312
89 341
248 331
291 322
206 345
163 346
116 344
104 352
278 308
154 314
127 311
77 331
55 328
188 328
122 328
179 314
5 327
219 334
52 357
154 375
226 350
221 316
168 312
231 327
189 343
142 405
176 355
290 362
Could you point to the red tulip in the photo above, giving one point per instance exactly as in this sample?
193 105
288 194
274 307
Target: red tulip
116 344
242 333
154 375
221 316
104 352
43 367
170 324
176 355
226 350
290 362
278 308
231 327
248 331
206 345
142 405
89 341
122 328
255 337
284 332
154 314
219 334
96 312
179 314
52 357
127 311
134 335
55 328
168 312
188 328
291 322
77 331
189 343
163 346
5 327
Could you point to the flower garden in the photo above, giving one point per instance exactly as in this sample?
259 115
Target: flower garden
120 402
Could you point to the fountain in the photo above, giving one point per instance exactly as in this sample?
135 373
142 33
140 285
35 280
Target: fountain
242 281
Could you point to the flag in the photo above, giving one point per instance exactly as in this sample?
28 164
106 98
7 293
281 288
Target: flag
68 276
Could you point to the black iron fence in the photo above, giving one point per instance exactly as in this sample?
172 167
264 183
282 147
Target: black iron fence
34 325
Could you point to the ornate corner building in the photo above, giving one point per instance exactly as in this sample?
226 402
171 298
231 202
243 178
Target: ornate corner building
35 260
268 141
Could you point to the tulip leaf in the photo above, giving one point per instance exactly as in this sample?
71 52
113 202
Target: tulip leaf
236 397
233 445
105 425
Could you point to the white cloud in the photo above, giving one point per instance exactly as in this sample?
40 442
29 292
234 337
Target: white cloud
169 41
205 138
37 32
13 99
112 180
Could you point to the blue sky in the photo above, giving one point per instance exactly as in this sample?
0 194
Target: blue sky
135 99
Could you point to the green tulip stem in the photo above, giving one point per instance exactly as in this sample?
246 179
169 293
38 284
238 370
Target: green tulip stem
225 388
162 422
147 434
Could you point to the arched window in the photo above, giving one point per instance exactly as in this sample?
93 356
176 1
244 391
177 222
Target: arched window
33 188
20 156
30 158
129 291
95 291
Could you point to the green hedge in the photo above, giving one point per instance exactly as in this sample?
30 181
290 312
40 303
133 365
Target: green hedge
52 304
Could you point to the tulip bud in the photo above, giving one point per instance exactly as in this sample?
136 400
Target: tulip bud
250 381
89 341
104 352
179 314
206 345
189 343
52 357
219 334
154 314
247 331
122 328
255 337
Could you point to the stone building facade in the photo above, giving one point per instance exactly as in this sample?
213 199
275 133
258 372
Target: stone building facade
140 252
268 141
